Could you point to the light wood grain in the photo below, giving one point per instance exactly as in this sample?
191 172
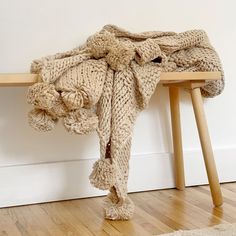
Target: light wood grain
26 79
157 212
177 138
206 146
18 79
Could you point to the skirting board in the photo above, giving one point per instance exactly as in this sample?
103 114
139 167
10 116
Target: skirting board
45 182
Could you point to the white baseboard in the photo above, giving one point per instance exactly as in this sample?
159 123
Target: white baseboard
45 182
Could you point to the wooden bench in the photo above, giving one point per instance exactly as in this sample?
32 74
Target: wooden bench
174 80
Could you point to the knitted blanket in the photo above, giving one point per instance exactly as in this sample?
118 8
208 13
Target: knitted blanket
104 84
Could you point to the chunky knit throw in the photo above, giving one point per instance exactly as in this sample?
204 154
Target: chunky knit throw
104 84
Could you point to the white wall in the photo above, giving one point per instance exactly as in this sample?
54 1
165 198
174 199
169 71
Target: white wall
38 167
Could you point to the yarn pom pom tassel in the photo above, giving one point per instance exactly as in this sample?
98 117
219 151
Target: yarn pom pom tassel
117 211
103 175
42 95
40 120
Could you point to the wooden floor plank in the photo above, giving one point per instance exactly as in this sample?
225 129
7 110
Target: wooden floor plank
8 226
26 224
123 227
82 212
60 215
156 212
172 217
203 201
194 214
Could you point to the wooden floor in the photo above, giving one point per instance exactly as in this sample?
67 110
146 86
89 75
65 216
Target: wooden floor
156 212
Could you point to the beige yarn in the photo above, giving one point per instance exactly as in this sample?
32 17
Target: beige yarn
70 96
104 84
82 121
43 95
103 175
115 211
41 120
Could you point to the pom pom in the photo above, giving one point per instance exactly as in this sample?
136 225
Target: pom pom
99 43
59 109
74 99
82 121
117 211
40 120
42 95
119 56
103 175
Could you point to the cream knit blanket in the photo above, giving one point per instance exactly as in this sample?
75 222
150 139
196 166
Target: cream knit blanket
104 84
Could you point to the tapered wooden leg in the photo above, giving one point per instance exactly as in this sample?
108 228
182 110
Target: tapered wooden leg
177 138
206 146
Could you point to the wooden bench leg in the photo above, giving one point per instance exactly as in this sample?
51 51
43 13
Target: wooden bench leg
206 146
177 138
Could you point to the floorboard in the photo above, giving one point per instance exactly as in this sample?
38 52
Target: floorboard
157 212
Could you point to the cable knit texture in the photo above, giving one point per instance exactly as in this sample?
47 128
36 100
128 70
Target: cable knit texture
104 84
